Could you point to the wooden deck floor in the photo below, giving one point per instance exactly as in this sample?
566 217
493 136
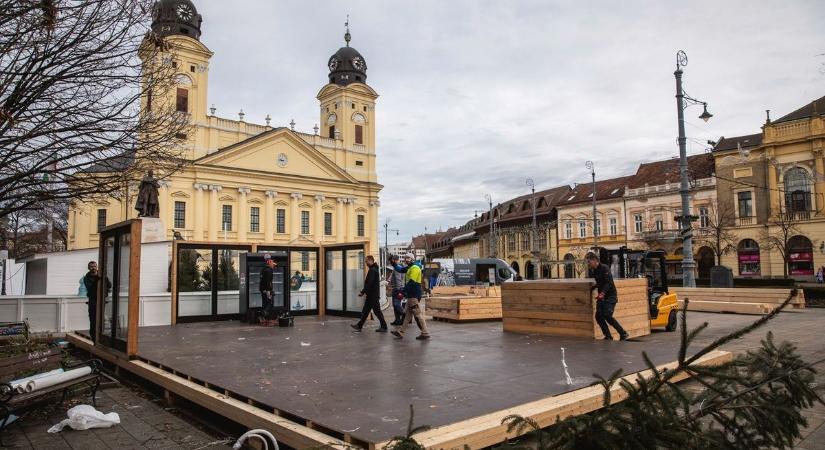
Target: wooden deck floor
361 384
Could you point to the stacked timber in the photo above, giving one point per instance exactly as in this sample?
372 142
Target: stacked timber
567 307
462 308
738 300
466 291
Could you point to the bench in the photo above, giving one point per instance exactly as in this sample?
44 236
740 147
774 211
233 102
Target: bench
38 362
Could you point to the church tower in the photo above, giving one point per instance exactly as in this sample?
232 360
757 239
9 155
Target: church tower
178 22
347 102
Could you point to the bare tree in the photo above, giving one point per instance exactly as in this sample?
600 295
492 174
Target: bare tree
717 234
73 78
777 236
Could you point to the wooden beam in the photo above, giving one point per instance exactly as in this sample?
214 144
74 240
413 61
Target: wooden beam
133 305
487 430
286 431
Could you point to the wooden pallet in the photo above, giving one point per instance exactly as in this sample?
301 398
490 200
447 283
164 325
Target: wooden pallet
773 297
466 291
567 307
462 309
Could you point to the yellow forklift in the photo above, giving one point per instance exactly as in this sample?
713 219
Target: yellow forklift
625 263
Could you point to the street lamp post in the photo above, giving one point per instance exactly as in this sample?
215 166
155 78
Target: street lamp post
592 168
489 199
386 238
532 185
683 101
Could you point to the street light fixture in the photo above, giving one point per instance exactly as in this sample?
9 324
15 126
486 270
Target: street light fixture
489 199
592 168
682 102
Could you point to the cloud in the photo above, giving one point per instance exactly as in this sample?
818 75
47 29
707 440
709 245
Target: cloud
478 95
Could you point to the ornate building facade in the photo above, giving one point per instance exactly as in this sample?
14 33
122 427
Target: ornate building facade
254 183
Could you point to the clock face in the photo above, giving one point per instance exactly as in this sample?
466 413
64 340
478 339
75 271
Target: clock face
333 64
282 160
331 119
358 63
185 11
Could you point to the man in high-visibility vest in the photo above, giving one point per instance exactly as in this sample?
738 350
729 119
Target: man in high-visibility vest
412 290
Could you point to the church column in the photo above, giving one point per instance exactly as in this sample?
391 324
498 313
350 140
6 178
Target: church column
294 219
214 213
340 220
197 211
372 232
318 232
269 216
243 213
351 221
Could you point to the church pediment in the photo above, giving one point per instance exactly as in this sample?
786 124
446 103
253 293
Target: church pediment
328 206
226 198
255 201
281 203
279 152
180 194
305 205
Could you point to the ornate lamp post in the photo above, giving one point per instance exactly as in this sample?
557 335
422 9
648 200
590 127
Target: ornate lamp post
683 101
592 168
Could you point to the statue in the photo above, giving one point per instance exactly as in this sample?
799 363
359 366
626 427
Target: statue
147 200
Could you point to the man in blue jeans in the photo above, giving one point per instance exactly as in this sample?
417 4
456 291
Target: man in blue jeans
606 299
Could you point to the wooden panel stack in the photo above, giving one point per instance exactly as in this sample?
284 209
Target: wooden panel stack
467 291
567 307
460 309
738 300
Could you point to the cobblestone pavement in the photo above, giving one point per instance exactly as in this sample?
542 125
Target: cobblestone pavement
144 424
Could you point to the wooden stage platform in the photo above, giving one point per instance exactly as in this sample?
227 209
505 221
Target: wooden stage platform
319 382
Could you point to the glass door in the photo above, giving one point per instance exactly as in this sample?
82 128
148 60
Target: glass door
116 257
344 279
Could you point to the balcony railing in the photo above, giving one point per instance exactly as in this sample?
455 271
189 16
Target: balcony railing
796 216
750 220
660 235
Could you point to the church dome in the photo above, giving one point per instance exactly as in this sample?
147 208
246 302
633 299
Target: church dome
176 17
347 65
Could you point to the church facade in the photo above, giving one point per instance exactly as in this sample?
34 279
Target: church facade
252 183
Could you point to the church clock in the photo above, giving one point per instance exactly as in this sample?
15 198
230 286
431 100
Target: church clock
184 11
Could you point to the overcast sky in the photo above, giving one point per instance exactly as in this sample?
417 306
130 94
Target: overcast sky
478 95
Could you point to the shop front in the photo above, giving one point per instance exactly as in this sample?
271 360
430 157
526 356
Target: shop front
800 256
747 253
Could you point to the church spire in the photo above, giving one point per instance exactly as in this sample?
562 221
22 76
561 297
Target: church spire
347 36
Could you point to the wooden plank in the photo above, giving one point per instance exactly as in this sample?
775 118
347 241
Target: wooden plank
286 431
738 308
133 304
487 430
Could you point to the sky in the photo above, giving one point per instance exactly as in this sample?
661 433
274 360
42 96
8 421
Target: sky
477 96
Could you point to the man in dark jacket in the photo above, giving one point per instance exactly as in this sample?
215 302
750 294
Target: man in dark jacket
266 288
90 281
396 280
606 299
372 291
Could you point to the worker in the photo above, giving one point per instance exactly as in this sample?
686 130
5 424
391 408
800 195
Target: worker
90 281
396 281
265 287
412 290
372 292
606 298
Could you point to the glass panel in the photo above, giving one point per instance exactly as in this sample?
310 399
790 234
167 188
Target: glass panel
109 274
303 284
228 280
194 282
278 289
123 288
335 279
355 279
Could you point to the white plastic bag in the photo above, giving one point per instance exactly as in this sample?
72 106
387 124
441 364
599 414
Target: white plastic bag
83 417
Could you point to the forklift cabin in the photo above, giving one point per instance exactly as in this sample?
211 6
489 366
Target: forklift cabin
626 263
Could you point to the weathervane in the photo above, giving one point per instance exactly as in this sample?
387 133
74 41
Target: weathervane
347 36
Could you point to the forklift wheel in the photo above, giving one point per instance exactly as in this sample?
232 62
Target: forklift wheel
671 321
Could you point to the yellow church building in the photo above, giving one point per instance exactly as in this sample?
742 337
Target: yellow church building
252 183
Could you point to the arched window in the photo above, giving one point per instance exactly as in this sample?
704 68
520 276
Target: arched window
797 190
800 256
749 260
569 269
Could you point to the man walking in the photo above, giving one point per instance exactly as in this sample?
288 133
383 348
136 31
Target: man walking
396 280
412 290
372 291
606 299
90 281
265 287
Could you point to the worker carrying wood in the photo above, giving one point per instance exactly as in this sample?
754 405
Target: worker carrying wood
606 298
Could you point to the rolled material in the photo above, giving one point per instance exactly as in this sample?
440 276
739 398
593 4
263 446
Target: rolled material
20 385
42 383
